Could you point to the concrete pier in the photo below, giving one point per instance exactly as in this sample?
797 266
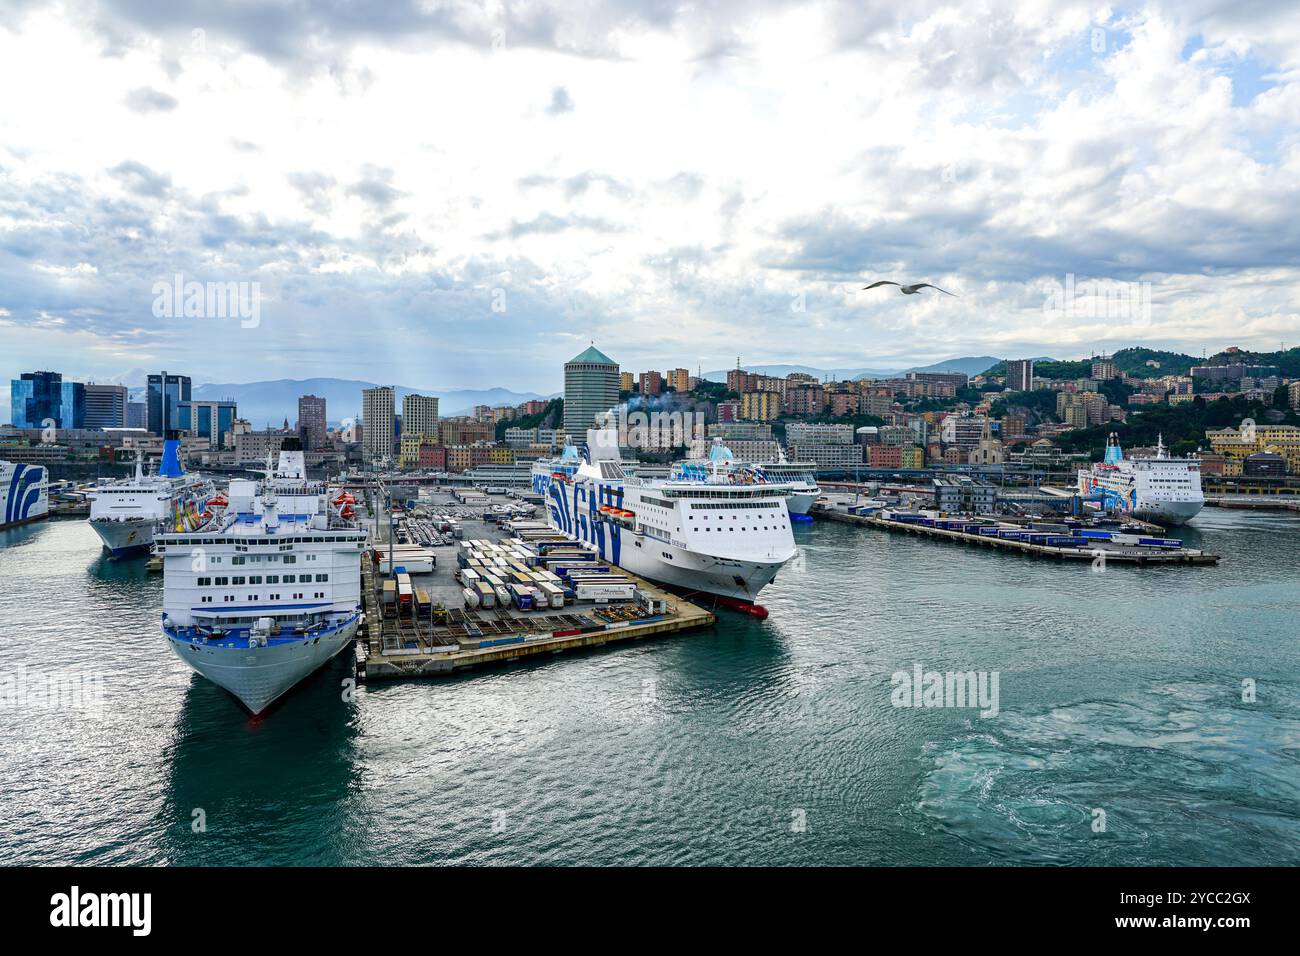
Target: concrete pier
1107 551
1253 502
456 638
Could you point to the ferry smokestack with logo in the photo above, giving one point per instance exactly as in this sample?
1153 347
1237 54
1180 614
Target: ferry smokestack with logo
127 514
705 534
24 493
259 597
1161 489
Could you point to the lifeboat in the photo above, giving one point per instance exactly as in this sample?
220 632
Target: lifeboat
219 500
347 512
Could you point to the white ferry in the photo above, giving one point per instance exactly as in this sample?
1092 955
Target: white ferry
127 514
24 493
716 538
264 594
796 479
1164 490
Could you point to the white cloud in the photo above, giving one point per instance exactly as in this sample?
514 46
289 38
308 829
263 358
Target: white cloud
661 183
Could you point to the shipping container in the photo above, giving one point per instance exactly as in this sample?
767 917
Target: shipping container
604 591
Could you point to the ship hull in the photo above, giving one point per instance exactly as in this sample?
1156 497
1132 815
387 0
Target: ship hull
800 502
257 677
24 495
124 538
19 524
691 572
1168 512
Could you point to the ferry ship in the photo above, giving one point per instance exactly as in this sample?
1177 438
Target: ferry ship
262 595
795 479
127 514
699 536
24 493
1164 490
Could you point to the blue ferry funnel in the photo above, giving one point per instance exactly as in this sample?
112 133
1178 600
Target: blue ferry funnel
170 467
1113 453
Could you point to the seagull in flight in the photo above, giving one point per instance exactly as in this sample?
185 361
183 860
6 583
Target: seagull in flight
906 289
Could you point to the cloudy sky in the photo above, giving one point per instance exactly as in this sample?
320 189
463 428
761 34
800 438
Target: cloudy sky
450 194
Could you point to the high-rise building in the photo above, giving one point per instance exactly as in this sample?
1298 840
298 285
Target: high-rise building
420 417
652 383
36 400
378 416
72 405
964 431
465 431
738 380
106 406
591 382
311 421
760 406
165 394
1020 374
626 382
137 415
42 399
1103 370
207 419
679 379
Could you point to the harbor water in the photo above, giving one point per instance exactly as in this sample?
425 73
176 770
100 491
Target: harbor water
1143 716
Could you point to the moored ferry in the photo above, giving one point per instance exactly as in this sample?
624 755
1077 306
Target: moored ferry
699 536
262 595
24 493
127 514
1164 490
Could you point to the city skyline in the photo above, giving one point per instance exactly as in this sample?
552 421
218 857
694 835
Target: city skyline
560 197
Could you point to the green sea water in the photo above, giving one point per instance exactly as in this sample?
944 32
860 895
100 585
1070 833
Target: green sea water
1120 702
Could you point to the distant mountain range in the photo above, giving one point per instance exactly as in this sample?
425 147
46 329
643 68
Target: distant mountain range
970 365
270 403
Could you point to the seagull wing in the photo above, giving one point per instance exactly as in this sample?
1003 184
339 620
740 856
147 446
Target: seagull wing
881 282
926 285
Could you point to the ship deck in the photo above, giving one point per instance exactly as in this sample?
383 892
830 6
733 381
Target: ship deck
237 637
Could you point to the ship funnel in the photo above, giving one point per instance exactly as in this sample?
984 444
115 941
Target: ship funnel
170 467
720 452
1114 455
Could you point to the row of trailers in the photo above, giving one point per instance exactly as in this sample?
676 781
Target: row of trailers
537 568
1052 536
